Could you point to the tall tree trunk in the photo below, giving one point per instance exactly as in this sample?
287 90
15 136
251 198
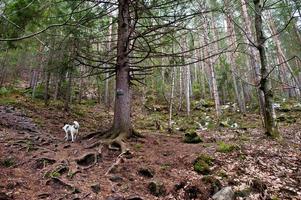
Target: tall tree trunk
46 92
212 74
68 92
80 93
122 127
186 90
282 58
265 84
107 81
232 60
252 61
180 89
171 99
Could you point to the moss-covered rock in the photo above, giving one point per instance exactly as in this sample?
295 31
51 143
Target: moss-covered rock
202 164
156 188
214 183
226 147
192 137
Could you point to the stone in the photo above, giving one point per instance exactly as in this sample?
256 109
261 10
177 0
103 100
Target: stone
146 172
116 178
157 188
114 197
224 194
95 188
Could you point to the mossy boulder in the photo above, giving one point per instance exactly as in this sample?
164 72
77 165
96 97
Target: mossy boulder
202 164
157 188
192 138
215 184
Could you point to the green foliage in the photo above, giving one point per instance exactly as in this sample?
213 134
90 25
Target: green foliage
4 91
226 148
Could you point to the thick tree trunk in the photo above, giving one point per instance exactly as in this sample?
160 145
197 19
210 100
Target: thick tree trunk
265 84
122 127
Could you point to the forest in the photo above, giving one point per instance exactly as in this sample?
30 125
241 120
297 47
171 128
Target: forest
150 99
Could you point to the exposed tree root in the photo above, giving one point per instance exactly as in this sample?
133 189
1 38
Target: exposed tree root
88 160
115 164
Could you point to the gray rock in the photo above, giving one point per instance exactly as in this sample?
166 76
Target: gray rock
157 188
116 178
224 194
95 188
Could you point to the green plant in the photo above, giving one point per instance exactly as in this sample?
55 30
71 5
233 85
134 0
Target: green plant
138 146
226 148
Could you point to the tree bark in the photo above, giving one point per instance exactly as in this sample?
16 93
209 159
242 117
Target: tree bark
212 74
232 61
171 99
122 127
68 91
252 61
265 84
285 67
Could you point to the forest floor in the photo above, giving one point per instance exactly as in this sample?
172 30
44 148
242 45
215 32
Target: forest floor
37 163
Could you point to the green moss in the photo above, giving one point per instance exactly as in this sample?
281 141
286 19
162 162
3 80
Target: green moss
202 164
215 184
138 146
226 148
165 166
7 101
7 162
243 193
192 137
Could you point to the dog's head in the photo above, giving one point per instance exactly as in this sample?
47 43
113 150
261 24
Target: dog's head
76 125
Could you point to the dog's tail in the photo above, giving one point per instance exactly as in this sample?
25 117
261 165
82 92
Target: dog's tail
76 124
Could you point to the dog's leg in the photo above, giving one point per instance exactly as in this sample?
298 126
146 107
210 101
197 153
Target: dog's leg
66 136
72 136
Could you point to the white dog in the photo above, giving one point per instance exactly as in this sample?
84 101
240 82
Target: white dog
72 129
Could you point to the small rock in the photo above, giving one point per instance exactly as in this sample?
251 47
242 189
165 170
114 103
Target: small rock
95 188
115 198
134 197
156 188
146 172
4 196
116 178
43 195
224 194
